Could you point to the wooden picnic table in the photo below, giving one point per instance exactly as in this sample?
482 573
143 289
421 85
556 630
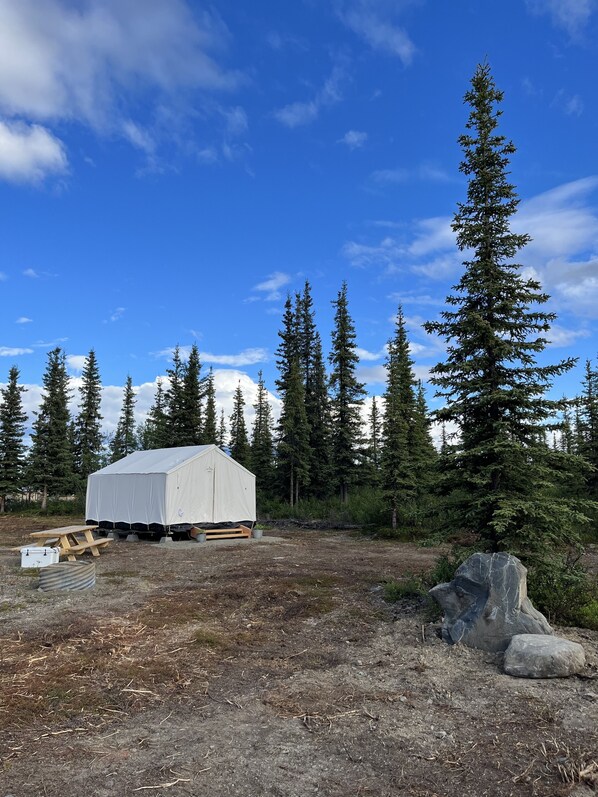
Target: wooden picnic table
71 540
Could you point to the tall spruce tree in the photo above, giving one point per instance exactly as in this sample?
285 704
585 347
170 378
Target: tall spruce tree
155 432
587 425
12 433
262 443
88 440
500 471
192 401
210 427
239 441
347 397
51 462
293 454
373 449
317 401
399 477
125 439
174 399
221 440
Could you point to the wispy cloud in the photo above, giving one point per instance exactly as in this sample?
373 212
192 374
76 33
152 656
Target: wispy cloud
31 273
376 23
116 315
569 104
425 171
24 320
354 139
48 344
89 63
559 336
9 351
297 114
271 287
570 15
3 276
563 253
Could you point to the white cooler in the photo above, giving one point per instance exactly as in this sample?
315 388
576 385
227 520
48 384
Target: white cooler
39 557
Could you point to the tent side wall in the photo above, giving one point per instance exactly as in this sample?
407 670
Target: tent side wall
234 492
189 492
127 498
210 489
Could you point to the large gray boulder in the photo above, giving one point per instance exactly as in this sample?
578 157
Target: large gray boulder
486 603
540 656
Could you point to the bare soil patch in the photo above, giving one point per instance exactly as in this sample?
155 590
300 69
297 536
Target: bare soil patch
268 668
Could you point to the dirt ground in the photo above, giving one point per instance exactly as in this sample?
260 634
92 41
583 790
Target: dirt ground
269 667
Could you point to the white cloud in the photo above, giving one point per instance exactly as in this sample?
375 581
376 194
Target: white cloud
23 320
76 362
29 153
8 351
272 285
225 383
372 356
571 15
245 357
354 139
297 114
373 21
31 273
558 336
3 276
116 315
60 61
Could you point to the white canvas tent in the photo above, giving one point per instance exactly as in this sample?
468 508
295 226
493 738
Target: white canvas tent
171 486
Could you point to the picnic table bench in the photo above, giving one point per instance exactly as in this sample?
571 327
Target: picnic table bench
70 540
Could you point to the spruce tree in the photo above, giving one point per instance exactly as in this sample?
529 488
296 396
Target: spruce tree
239 441
293 454
347 397
587 425
288 348
373 450
192 401
210 427
88 440
262 443
399 477
221 440
51 461
317 401
125 440
176 424
12 433
155 433
500 471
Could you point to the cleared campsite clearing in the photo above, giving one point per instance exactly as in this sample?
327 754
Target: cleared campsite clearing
274 669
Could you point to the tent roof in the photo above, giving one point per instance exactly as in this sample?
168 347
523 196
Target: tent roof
160 460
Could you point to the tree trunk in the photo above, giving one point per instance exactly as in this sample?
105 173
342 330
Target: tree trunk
394 518
292 491
45 498
2 504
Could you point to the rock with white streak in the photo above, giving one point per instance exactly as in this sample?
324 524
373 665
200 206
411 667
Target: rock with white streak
539 656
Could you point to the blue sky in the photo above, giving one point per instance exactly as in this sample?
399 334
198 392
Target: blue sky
170 169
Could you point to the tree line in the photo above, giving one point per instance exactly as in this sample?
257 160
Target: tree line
319 447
